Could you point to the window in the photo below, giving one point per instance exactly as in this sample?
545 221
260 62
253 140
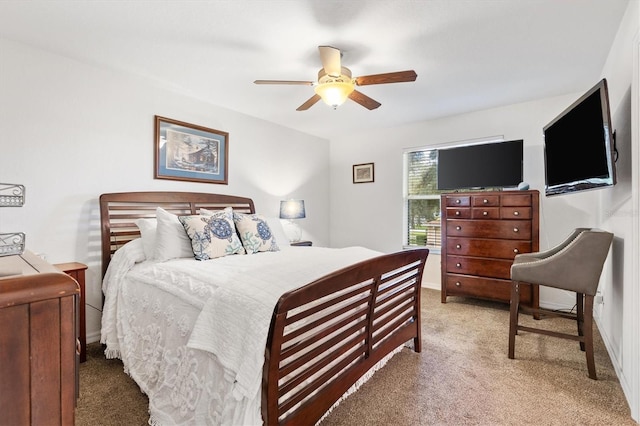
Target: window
421 195
422 199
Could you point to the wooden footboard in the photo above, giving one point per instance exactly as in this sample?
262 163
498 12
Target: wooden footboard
328 334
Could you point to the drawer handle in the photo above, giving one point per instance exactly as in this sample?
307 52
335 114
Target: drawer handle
485 201
458 228
516 251
458 246
485 213
458 284
457 201
516 213
458 265
457 212
515 229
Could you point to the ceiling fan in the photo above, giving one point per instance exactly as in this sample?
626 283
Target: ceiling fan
335 83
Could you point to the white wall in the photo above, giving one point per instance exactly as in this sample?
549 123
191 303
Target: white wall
618 317
71 131
371 214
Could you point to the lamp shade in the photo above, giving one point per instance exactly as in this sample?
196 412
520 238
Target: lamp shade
334 93
292 209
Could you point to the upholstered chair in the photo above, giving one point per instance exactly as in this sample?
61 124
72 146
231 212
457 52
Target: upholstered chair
573 265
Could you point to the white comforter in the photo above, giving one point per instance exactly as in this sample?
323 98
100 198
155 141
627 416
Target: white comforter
192 333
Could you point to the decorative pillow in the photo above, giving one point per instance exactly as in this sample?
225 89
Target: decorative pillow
171 239
148 236
212 235
255 233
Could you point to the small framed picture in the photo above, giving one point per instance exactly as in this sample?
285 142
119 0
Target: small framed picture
190 152
363 173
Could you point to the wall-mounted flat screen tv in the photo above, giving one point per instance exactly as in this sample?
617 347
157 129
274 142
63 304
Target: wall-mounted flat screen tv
579 145
487 165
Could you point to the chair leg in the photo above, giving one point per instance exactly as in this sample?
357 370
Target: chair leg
580 317
513 317
588 336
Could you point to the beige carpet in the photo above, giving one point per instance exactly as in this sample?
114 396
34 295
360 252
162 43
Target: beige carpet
462 377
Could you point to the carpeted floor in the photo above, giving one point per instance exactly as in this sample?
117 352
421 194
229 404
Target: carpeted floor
462 377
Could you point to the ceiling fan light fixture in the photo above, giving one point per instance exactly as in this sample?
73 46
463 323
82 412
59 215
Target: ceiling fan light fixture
334 93
335 83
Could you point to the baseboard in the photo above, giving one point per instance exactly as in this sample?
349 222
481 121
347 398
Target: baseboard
93 337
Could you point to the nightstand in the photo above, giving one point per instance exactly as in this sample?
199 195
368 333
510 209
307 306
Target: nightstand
302 243
76 271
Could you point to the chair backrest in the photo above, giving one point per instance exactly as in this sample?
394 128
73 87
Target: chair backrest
575 264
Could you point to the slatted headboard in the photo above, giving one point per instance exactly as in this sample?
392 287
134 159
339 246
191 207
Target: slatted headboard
119 211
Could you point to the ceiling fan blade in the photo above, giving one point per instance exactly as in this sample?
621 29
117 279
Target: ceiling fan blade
309 103
305 83
330 57
364 100
391 77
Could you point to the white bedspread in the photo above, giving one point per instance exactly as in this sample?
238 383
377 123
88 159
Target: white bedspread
234 323
227 303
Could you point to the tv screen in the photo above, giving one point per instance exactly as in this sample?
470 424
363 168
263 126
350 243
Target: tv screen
490 165
578 145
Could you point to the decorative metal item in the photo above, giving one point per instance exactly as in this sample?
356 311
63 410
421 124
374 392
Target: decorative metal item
12 244
11 195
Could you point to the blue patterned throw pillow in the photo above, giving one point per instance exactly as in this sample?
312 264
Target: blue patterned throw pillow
255 233
212 235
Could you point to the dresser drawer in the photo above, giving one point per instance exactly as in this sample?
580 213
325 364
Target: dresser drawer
455 201
460 213
516 199
486 213
480 266
487 288
503 229
503 249
522 213
485 200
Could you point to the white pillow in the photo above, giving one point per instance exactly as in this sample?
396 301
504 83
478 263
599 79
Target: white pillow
278 232
213 235
171 239
255 233
148 236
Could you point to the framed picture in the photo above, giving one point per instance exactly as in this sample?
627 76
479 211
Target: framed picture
363 173
190 152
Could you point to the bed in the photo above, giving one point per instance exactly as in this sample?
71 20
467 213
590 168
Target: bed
275 337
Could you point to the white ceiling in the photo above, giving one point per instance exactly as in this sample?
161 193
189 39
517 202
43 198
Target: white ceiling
468 54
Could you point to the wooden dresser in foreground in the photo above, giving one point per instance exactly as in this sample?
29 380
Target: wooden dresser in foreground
38 342
481 234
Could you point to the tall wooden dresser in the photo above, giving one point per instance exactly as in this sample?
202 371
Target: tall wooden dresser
481 234
38 342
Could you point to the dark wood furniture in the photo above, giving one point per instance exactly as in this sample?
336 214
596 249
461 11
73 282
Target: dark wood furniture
76 271
481 234
38 345
381 312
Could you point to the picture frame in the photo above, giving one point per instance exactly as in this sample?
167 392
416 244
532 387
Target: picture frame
189 152
363 173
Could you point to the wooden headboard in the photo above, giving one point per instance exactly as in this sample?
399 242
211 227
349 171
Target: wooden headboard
119 211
